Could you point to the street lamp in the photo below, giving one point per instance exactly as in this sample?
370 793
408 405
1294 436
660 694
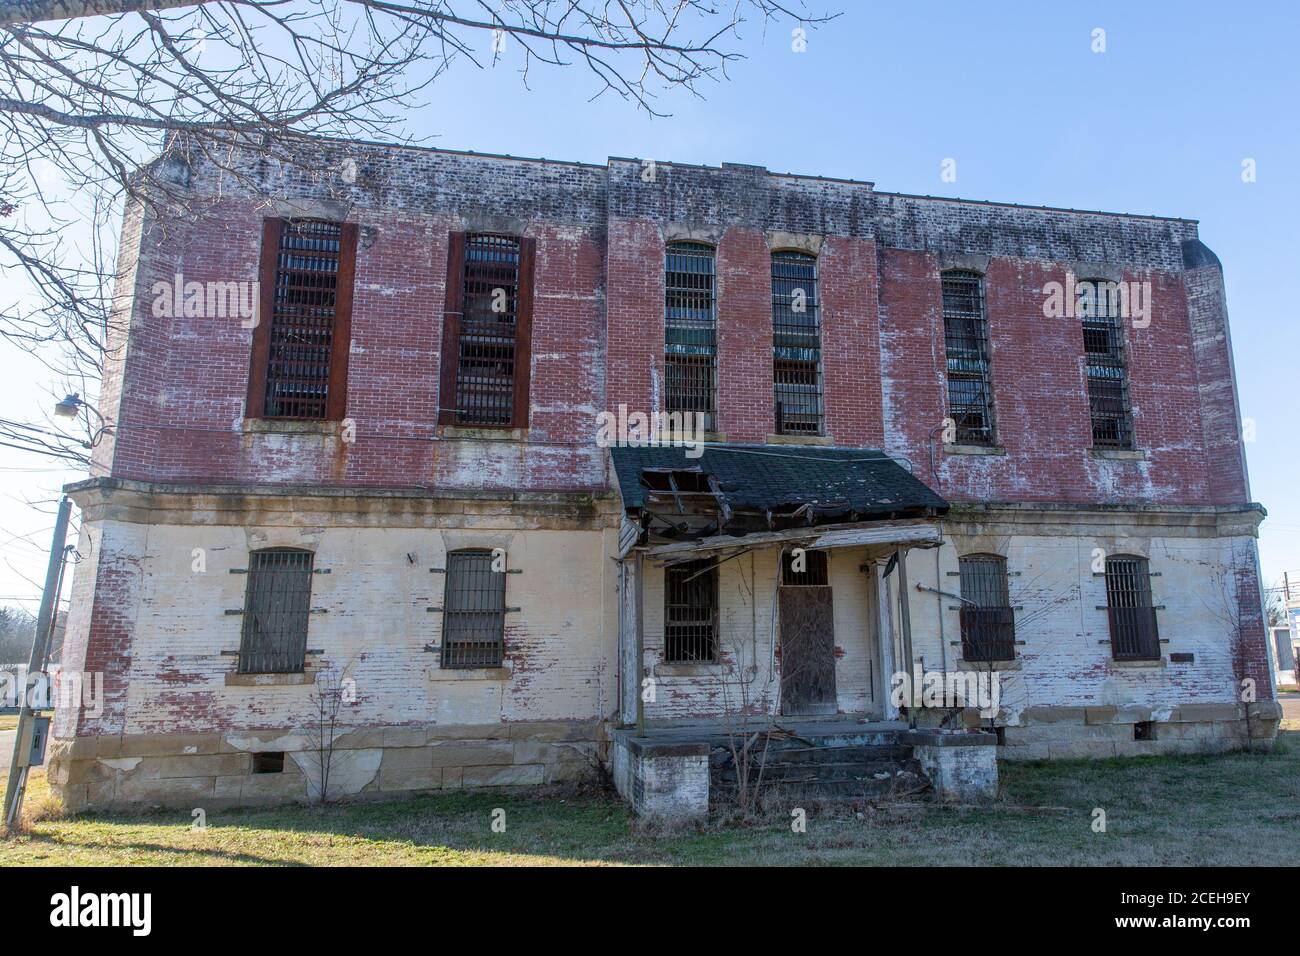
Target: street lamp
69 406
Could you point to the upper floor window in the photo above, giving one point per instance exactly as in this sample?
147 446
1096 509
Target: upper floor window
474 610
1133 633
796 344
487 331
966 343
277 604
1103 349
988 623
690 330
691 612
301 344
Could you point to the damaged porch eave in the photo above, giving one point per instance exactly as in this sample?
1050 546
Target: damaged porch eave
919 533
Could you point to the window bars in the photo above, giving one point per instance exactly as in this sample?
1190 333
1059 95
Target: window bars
796 344
276 606
302 320
1103 348
814 573
1133 633
485 364
474 611
988 629
691 611
690 329
966 342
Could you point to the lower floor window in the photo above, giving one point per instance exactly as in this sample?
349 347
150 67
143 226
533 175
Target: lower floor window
474 611
691 612
276 607
988 623
1133 633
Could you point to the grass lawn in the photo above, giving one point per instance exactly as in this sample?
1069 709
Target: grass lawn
1239 809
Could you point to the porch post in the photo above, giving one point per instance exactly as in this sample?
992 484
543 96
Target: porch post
905 618
638 671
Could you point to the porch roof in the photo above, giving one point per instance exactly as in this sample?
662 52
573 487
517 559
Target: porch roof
829 484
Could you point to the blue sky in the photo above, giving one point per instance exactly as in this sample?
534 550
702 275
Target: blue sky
1158 123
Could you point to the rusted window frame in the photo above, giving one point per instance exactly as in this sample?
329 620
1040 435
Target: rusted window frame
269 276
968 358
685 627
1130 609
796 346
988 623
473 597
1111 427
453 313
277 611
696 352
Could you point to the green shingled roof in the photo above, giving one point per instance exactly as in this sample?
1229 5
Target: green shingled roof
773 477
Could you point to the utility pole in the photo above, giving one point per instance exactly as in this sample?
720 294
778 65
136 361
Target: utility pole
18 767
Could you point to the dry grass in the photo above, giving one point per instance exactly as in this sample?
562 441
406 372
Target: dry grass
8 721
1235 809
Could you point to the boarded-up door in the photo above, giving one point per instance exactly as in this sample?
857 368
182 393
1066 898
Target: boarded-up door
807 651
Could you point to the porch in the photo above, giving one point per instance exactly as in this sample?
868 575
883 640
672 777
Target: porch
676 771
764 591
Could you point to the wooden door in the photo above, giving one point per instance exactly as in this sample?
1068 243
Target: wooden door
807 651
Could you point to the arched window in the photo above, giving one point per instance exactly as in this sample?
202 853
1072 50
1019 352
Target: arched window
474 609
1133 632
796 344
690 330
988 625
277 604
966 344
1099 308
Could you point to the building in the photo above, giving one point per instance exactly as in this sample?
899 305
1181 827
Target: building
970 435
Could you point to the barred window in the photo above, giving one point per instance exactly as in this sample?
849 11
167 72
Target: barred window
809 571
487 331
690 329
691 611
988 624
300 350
1133 633
796 344
474 611
1103 349
966 342
277 604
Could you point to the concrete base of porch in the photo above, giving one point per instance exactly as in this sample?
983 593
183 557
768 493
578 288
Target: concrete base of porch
668 773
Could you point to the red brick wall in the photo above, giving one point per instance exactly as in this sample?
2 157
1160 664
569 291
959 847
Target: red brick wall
1040 391
598 342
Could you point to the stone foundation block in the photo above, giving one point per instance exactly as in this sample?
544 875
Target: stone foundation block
664 782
